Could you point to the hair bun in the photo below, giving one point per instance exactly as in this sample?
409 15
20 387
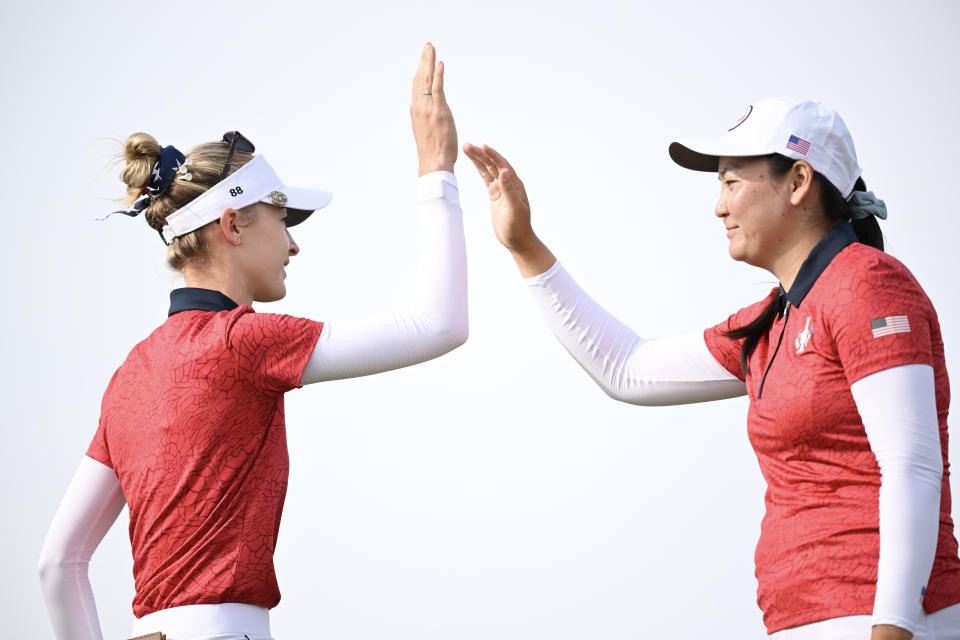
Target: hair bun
141 151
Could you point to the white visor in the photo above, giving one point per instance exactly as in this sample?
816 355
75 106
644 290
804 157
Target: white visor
254 182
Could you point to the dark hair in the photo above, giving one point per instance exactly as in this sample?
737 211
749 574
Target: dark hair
837 210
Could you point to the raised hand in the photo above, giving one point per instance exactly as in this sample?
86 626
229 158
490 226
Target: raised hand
510 210
432 120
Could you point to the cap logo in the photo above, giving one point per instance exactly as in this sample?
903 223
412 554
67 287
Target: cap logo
278 197
799 145
741 119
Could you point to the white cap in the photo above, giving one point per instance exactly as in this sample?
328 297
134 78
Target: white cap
254 182
798 129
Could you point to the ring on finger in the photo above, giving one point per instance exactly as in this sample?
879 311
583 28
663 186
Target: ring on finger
427 92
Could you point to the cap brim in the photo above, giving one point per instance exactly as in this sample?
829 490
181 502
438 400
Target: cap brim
704 155
302 202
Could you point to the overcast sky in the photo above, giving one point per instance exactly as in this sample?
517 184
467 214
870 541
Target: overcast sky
495 492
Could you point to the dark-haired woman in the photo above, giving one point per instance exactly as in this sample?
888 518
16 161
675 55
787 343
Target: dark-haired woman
191 435
843 365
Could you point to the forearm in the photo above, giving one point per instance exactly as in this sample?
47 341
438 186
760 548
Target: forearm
909 509
899 414
91 504
434 323
662 371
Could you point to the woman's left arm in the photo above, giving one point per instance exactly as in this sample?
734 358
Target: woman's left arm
899 412
436 320
92 503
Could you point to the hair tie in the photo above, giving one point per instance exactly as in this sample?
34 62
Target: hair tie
164 170
863 203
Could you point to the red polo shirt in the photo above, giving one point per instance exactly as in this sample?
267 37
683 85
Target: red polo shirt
192 423
852 311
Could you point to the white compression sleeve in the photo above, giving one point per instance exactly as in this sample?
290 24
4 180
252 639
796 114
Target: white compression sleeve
899 412
661 371
91 505
436 321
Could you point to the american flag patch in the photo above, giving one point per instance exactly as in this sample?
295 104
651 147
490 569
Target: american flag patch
888 325
799 145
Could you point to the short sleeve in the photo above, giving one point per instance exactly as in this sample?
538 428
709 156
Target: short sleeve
272 350
881 318
98 449
726 350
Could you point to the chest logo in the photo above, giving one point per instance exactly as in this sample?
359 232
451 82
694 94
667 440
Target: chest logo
803 338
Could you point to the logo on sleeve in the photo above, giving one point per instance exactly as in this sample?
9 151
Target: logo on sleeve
891 324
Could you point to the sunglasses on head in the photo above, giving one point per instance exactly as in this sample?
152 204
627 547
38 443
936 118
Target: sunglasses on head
236 140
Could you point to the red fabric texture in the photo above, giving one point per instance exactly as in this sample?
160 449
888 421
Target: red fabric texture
192 423
819 541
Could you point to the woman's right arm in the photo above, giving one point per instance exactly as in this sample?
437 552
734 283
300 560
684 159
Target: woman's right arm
435 321
661 371
91 505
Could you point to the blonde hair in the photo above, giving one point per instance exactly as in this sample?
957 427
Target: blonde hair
141 151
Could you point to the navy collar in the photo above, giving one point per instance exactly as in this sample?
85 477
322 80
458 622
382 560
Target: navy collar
820 257
194 299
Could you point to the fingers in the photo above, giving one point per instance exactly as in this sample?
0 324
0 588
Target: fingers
476 157
489 174
494 169
438 82
423 80
497 166
498 160
480 155
511 189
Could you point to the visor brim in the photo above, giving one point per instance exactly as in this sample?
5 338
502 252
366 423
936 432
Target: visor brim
301 203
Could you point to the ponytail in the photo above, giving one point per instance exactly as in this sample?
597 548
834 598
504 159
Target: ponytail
750 333
838 209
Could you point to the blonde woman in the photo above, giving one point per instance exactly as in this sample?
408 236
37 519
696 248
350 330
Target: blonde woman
192 435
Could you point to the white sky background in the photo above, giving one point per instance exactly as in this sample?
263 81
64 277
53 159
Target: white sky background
495 492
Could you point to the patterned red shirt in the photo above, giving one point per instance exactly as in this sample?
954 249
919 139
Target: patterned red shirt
852 311
192 424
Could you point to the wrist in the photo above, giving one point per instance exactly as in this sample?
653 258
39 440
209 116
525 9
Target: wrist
525 245
532 259
889 632
430 165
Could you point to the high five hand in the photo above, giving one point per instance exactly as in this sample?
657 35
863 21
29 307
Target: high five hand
432 120
510 210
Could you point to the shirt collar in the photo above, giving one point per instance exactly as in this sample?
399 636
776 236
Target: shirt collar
822 255
194 299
